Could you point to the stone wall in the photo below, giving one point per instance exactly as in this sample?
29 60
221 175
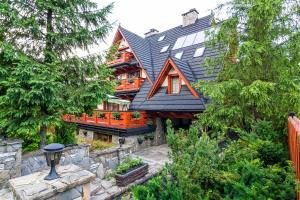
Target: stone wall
10 160
102 162
76 154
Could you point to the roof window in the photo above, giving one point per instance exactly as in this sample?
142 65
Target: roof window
188 40
199 52
164 49
178 55
161 38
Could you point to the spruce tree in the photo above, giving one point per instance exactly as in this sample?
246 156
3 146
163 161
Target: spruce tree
42 78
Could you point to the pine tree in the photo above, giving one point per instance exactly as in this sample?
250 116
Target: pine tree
259 55
42 76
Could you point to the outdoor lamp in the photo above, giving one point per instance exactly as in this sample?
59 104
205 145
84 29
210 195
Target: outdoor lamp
121 141
53 153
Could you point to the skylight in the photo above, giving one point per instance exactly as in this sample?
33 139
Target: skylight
199 52
179 42
188 40
161 38
164 49
179 55
200 37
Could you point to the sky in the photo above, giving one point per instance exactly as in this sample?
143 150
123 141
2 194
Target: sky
139 16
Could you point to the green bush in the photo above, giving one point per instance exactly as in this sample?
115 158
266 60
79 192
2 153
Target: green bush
101 115
65 134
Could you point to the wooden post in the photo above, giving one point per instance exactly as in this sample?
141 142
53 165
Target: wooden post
86 193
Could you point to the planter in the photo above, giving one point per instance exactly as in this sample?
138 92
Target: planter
132 175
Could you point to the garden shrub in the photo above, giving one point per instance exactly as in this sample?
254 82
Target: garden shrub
65 134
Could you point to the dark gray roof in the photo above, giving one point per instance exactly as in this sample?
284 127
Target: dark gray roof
148 52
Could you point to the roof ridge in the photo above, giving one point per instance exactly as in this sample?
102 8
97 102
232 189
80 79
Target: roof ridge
151 59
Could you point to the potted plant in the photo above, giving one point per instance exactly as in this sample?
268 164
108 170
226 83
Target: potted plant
140 140
151 137
116 115
130 170
130 80
118 82
101 115
135 115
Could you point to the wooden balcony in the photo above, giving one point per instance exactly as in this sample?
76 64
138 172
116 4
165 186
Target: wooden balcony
125 57
130 84
119 120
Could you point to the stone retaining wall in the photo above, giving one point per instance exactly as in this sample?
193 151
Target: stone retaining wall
10 160
76 154
103 162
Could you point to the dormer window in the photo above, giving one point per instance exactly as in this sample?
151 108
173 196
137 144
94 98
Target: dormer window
164 49
161 38
174 84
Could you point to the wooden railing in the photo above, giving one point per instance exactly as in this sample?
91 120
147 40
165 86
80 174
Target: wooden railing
130 84
125 57
294 144
108 119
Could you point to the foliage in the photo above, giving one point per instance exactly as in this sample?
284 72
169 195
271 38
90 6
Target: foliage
200 169
140 140
259 79
111 54
149 136
101 115
128 164
136 115
160 187
116 115
130 80
100 145
65 134
40 78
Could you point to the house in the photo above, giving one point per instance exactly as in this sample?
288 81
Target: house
155 76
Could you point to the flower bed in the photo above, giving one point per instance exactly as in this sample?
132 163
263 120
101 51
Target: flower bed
129 171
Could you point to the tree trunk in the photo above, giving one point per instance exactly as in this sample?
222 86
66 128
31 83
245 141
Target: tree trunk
43 133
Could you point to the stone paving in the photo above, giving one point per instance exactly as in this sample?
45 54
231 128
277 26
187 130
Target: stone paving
102 189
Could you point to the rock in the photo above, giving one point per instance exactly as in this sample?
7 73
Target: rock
100 171
113 163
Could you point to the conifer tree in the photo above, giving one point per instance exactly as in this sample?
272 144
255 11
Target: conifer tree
41 76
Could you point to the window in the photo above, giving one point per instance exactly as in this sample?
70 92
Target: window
189 40
164 49
179 55
173 84
199 51
200 37
179 42
161 38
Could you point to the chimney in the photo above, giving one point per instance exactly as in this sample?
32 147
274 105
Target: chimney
151 32
189 17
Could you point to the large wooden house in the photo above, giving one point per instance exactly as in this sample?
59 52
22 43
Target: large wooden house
155 76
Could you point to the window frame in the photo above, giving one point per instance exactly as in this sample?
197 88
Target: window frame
170 83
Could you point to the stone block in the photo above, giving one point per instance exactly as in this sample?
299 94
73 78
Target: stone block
100 171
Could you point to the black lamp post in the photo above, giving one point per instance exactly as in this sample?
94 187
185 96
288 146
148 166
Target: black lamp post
53 153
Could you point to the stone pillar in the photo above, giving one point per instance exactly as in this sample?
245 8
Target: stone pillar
10 160
73 184
159 134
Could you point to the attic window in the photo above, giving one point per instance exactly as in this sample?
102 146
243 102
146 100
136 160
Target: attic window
199 52
188 40
179 55
164 49
161 38
174 84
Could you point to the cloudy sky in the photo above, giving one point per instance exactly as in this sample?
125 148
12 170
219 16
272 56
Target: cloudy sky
139 16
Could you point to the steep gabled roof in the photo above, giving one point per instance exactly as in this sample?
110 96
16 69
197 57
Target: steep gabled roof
141 48
148 52
182 71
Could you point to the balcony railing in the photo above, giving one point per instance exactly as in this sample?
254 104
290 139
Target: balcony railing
130 84
122 120
125 57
